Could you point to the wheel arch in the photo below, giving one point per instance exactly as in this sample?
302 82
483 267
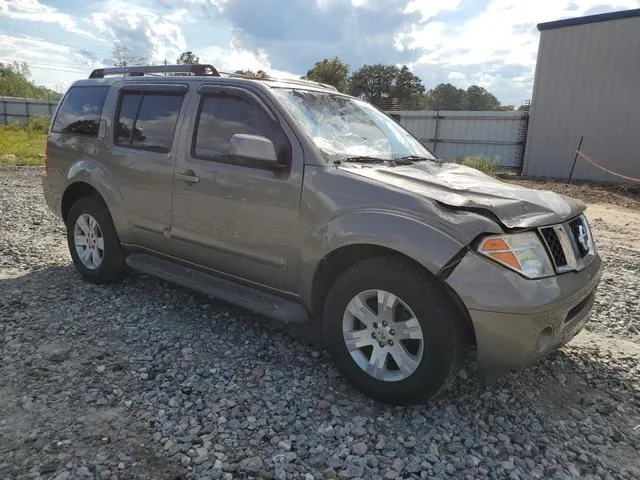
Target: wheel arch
75 191
341 259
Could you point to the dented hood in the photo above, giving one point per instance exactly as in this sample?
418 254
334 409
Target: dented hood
461 187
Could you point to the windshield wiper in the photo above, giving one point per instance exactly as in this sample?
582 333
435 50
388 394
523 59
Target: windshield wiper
368 159
415 158
362 159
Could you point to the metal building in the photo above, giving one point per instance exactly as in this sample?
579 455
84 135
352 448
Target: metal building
587 83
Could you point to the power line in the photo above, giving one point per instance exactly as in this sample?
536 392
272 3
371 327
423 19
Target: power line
42 67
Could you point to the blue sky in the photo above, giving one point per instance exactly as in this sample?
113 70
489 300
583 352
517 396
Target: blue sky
492 43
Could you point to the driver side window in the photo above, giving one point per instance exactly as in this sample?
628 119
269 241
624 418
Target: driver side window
222 116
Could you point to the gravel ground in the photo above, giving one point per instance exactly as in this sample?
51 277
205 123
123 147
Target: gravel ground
148 380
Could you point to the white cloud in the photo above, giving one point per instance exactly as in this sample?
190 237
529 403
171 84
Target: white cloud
428 9
496 48
53 65
235 57
34 11
504 35
146 33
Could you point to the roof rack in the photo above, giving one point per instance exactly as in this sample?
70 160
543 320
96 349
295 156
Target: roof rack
311 83
283 80
207 70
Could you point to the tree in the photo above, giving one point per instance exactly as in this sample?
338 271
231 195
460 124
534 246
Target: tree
387 85
373 82
408 88
252 74
478 98
188 58
332 72
15 82
446 97
123 57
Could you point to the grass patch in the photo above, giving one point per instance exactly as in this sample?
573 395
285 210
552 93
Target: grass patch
484 164
23 145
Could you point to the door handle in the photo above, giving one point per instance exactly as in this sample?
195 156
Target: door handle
189 177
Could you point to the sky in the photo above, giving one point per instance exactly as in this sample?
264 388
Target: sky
491 43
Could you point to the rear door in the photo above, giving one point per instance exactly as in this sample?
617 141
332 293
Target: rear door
141 156
235 215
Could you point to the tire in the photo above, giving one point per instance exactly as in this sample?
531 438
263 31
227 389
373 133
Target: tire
428 370
110 266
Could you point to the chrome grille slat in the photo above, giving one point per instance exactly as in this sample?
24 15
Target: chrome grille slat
570 244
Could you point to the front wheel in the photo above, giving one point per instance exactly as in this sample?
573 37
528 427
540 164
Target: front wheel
393 331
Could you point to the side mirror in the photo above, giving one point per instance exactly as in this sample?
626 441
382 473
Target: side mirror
253 147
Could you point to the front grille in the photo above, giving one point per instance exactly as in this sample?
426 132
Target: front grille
569 244
580 237
555 248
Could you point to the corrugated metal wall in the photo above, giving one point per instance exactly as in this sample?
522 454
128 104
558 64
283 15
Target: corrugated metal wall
20 110
452 135
587 83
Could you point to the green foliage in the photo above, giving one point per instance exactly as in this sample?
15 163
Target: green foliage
251 74
23 145
15 82
479 162
446 97
377 82
478 99
39 124
124 57
373 82
332 72
188 58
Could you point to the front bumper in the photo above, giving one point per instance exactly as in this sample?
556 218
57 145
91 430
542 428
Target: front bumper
518 320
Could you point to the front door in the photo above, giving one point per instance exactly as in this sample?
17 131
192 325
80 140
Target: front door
235 215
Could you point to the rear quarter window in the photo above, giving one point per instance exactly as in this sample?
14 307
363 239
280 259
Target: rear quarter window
80 111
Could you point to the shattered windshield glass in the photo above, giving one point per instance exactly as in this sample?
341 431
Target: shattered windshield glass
344 128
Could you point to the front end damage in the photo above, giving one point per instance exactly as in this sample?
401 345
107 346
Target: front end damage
517 320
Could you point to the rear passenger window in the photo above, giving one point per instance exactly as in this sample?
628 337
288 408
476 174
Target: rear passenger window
80 111
129 105
221 117
147 121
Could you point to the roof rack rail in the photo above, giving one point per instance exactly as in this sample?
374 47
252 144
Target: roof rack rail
311 83
278 79
207 70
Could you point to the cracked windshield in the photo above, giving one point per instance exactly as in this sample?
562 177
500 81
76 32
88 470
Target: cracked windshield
344 128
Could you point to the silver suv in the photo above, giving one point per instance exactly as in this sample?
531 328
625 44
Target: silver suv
298 202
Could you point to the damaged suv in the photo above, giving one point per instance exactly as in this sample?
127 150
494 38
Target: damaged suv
298 202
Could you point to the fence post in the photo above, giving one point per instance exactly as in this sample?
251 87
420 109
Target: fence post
26 108
435 136
575 158
4 110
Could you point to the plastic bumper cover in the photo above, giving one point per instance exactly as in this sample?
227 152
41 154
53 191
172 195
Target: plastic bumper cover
518 320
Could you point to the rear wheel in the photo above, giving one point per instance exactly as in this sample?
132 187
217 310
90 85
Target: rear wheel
393 331
93 242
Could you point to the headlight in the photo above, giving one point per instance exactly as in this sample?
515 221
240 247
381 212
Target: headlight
522 252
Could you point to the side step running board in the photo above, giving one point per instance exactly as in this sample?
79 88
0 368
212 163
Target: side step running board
245 296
